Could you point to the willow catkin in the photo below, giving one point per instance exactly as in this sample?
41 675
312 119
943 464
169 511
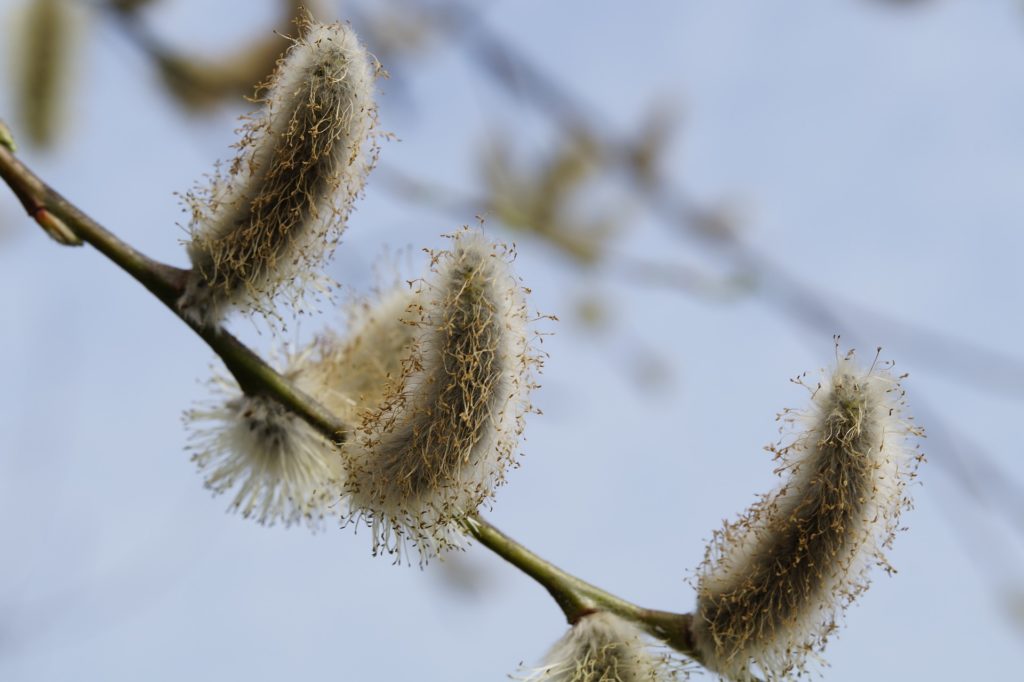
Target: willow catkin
46 38
602 647
265 226
282 469
440 439
774 583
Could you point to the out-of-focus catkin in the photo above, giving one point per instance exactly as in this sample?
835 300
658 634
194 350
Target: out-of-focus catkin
264 227
774 583
354 371
439 440
602 647
45 38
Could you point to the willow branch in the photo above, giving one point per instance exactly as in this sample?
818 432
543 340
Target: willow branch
578 598
48 208
69 225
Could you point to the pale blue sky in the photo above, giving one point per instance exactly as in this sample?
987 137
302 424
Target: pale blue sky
877 155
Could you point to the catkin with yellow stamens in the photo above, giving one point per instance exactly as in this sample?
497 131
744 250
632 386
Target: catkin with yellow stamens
442 436
265 227
602 647
774 583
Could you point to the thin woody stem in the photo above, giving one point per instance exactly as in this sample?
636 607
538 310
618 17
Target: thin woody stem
253 375
70 226
578 598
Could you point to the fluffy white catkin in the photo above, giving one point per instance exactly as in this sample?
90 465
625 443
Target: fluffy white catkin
438 441
602 647
282 468
774 583
264 227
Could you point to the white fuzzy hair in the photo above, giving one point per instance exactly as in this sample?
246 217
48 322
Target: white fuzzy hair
284 469
775 582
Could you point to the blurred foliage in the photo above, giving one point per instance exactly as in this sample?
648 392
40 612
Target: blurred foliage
537 196
1014 604
201 83
129 6
45 40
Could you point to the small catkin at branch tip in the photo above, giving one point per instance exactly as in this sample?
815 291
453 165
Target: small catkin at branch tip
433 447
602 647
775 582
282 468
262 229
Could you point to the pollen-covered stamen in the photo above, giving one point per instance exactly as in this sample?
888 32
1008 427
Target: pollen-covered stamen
774 582
282 469
445 432
266 225
602 647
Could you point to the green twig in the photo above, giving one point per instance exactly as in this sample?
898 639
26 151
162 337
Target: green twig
578 598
